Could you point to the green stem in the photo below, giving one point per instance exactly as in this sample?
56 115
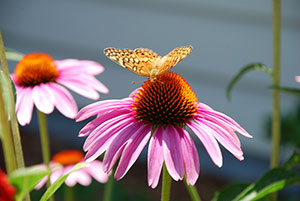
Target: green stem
276 93
109 187
192 191
44 141
166 185
44 137
12 113
68 193
7 141
276 82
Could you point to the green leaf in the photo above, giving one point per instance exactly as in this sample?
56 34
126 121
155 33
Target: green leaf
13 55
292 91
25 179
4 82
274 180
231 192
243 71
294 158
53 188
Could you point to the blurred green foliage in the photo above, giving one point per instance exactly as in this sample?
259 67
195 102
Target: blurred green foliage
290 127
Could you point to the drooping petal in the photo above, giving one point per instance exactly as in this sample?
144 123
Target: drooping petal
65 102
118 144
173 153
56 174
43 98
190 156
75 66
102 106
80 176
219 117
132 151
103 142
96 171
94 83
79 86
91 126
208 141
20 96
155 157
25 108
113 125
41 183
224 138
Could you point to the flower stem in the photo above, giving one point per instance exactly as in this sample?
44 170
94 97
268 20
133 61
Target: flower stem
192 191
109 187
276 93
166 185
68 193
14 124
276 82
7 141
44 141
44 137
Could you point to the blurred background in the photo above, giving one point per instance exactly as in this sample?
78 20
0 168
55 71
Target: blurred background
226 35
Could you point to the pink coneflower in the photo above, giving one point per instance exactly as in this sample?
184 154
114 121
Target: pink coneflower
38 77
168 105
297 78
64 161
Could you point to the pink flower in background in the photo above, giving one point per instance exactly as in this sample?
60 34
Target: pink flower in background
297 78
123 128
39 78
64 161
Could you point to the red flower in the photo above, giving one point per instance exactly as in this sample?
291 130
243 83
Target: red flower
7 191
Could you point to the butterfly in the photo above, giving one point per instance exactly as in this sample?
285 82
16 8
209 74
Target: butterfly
146 62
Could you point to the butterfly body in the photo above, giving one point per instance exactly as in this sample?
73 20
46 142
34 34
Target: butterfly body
146 62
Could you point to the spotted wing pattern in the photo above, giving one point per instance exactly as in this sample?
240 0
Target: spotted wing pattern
139 61
145 62
174 57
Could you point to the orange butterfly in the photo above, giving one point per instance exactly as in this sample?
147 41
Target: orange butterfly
145 62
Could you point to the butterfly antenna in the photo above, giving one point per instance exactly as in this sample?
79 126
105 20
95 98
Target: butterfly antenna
135 82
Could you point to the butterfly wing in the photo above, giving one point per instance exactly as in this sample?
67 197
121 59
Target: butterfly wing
174 57
139 61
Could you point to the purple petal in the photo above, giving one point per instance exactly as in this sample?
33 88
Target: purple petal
102 106
220 117
43 98
104 141
95 84
20 96
55 175
118 144
132 151
41 183
91 126
208 141
64 101
79 86
76 66
173 153
224 138
96 170
25 108
113 125
155 157
80 176
190 157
